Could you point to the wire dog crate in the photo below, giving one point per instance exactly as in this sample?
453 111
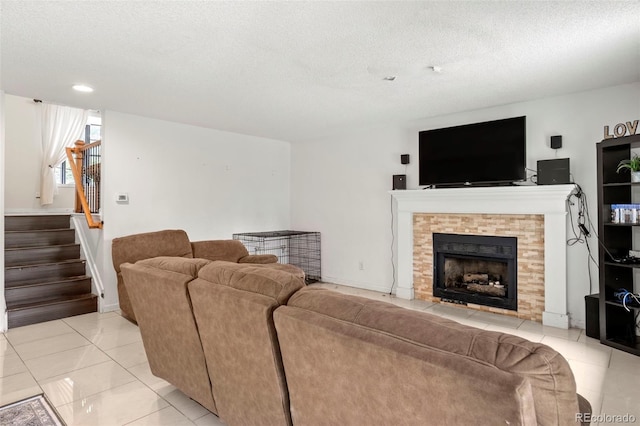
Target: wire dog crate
298 248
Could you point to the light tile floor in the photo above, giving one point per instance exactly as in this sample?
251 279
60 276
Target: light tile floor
94 370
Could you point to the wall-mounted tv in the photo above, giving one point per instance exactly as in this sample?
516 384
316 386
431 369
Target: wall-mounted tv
492 152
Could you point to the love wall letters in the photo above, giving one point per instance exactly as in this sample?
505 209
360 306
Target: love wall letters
622 129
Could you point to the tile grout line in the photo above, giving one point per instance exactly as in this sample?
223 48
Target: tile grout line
25 366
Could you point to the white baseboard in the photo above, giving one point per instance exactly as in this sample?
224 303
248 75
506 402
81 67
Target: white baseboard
405 293
358 284
554 319
102 308
581 324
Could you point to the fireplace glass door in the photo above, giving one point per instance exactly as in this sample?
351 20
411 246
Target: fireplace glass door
476 269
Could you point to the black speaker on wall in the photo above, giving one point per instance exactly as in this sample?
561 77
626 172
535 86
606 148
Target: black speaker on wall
556 142
404 159
399 181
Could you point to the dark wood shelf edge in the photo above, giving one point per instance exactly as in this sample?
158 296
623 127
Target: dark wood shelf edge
622 265
620 305
615 184
623 346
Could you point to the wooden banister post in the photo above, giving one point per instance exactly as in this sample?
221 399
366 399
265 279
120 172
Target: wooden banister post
80 191
79 156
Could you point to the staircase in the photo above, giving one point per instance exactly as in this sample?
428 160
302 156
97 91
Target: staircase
44 277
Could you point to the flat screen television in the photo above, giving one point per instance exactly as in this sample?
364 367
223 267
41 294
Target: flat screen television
492 152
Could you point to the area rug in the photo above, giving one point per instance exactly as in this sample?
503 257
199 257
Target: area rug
34 411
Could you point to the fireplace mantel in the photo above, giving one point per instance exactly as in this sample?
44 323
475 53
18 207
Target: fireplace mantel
547 200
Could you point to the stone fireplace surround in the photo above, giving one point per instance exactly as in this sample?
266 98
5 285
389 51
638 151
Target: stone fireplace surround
546 200
528 229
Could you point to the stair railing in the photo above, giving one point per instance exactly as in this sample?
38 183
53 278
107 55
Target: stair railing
86 174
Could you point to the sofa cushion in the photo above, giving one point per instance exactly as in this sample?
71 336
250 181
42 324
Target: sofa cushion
552 381
261 279
180 265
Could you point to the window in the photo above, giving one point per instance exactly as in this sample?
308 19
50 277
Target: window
64 175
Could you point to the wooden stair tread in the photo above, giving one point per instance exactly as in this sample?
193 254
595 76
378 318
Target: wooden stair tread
37 265
36 281
27 231
22 256
33 273
41 247
36 302
38 238
57 280
54 281
37 221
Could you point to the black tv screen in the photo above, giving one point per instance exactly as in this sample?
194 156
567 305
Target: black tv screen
491 152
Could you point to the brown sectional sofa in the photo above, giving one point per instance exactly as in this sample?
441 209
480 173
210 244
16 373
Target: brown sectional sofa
277 353
175 243
482 377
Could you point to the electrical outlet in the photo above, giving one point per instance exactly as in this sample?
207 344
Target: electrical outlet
361 265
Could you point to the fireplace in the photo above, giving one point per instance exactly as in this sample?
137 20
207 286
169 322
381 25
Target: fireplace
476 269
535 214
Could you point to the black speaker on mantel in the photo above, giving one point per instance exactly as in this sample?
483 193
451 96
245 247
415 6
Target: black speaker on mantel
554 172
399 182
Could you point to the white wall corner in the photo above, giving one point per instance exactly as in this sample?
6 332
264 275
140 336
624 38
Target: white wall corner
3 305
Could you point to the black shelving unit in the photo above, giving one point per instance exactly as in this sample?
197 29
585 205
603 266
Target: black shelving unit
617 325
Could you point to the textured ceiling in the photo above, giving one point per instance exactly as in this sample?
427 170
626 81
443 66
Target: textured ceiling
296 71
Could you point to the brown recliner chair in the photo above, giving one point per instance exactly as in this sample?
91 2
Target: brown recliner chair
175 243
207 329
157 289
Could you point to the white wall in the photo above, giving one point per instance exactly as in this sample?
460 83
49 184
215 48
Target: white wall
339 188
339 185
209 183
23 160
3 315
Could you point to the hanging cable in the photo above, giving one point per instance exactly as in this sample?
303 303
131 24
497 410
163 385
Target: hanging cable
393 264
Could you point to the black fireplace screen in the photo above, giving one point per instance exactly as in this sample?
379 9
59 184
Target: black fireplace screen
476 269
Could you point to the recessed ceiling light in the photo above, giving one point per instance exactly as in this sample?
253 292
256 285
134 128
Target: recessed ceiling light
82 88
389 78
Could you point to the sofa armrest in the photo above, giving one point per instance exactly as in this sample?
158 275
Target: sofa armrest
259 258
132 248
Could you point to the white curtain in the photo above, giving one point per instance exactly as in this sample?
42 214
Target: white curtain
61 127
